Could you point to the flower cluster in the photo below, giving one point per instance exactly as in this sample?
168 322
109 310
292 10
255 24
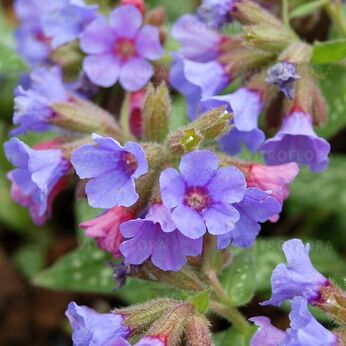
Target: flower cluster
174 201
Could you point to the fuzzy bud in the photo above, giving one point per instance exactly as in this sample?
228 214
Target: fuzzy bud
296 53
213 124
171 326
333 302
263 35
249 12
197 331
156 113
139 317
83 116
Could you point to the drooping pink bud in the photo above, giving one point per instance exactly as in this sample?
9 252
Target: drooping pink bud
105 229
274 178
136 106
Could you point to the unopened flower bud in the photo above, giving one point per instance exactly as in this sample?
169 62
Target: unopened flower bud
263 35
156 113
213 124
333 302
156 16
83 116
139 317
296 53
197 331
249 12
171 326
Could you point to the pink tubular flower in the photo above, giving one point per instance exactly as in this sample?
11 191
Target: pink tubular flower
105 229
273 178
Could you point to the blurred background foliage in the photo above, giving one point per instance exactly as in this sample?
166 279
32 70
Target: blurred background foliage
41 269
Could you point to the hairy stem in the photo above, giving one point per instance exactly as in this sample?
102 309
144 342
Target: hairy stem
230 314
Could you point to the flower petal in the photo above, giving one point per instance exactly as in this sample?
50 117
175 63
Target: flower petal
220 219
148 43
188 222
198 167
102 70
172 188
126 21
97 38
135 74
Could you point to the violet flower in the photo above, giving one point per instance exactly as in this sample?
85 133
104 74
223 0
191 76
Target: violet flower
90 328
157 237
64 24
119 50
304 329
197 81
246 106
216 13
296 141
299 278
202 195
112 170
257 206
33 110
36 178
188 31
284 75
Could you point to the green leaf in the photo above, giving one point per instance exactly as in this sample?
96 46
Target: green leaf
87 269
179 114
201 301
84 269
233 337
308 8
329 52
332 82
30 259
238 279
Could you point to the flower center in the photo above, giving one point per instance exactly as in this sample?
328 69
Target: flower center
129 161
197 198
125 48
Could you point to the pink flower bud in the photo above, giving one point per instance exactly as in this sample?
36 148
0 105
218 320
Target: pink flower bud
105 229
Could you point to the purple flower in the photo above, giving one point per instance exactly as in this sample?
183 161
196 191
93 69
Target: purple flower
157 237
65 24
188 31
112 170
304 329
257 206
32 44
197 81
90 328
119 50
36 178
202 195
284 75
298 278
33 110
267 334
246 105
296 141
215 13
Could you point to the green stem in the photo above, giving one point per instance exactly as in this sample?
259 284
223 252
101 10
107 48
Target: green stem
210 264
285 13
336 14
230 314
